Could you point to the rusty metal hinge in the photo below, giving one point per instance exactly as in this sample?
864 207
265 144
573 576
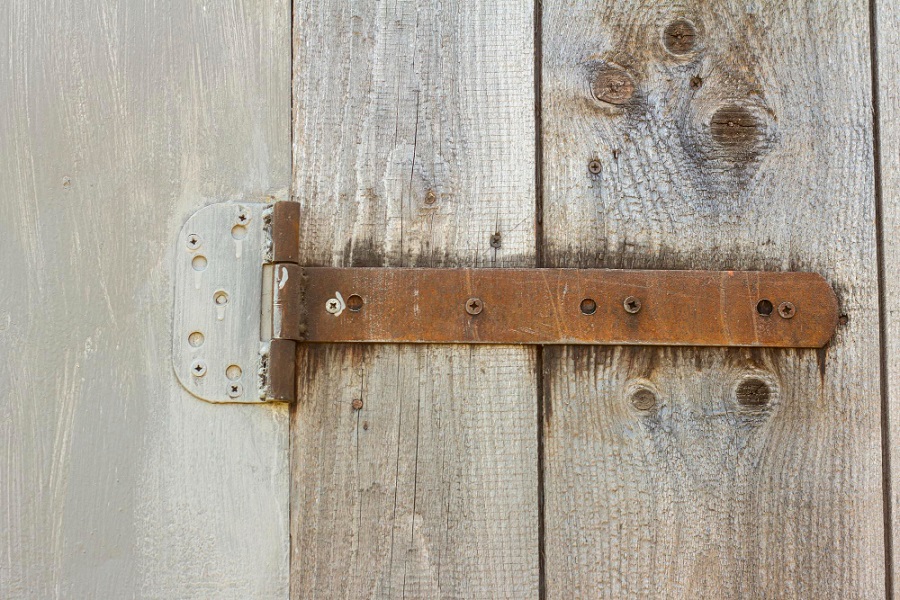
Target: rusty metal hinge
243 302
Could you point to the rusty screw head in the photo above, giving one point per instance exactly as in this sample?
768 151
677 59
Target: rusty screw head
595 167
632 305
430 197
787 310
235 389
357 404
496 240
474 306
194 241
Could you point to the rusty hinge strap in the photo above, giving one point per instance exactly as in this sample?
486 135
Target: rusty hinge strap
553 306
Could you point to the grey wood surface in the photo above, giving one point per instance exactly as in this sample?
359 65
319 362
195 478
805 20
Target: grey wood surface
887 38
414 143
117 120
664 475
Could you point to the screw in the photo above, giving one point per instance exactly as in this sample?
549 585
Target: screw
198 368
594 167
632 305
430 197
357 404
495 240
235 390
474 306
194 241
786 310
333 306
243 216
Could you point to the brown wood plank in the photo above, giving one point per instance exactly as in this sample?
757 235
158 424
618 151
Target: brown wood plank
742 141
414 145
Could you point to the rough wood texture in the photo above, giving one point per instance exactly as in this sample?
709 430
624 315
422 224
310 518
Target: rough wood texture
742 141
888 49
414 146
117 120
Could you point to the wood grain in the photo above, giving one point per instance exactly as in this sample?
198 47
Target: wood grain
117 120
746 146
887 36
414 145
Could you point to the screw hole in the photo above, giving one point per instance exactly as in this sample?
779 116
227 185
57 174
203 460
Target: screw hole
355 303
588 306
220 298
753 392
196 339
764 308
233 372
199 263
238 232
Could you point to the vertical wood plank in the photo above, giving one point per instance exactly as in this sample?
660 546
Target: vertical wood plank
742 140
117 120
414 145
887 37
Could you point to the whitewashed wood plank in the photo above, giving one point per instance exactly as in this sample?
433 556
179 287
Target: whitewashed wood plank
414 145
117 120
752 150
887 40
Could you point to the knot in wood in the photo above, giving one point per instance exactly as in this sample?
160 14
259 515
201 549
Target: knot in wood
613 85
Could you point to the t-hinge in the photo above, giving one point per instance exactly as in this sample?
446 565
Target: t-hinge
243 303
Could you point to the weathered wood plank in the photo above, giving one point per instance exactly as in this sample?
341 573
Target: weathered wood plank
887 36
414 145
745 146
117 120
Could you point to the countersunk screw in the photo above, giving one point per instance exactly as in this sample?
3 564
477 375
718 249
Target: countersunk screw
193 241
787 310
632 305
243 217
594 167
235 389
474 306
333 306
198 368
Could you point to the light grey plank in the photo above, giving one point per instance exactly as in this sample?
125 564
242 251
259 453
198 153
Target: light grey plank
414 144
117 120
887 38
702 496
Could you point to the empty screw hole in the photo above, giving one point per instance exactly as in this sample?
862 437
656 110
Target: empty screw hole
238 232
196 339
233 372
588 306
355 303
764 307
220 298
199 263
753 392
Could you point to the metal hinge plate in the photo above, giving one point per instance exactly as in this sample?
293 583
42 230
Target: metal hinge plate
242 303
222 347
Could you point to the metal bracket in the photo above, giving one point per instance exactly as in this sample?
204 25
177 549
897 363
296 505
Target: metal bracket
468 306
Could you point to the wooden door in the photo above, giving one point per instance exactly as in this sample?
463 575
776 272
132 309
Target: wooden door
478 133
